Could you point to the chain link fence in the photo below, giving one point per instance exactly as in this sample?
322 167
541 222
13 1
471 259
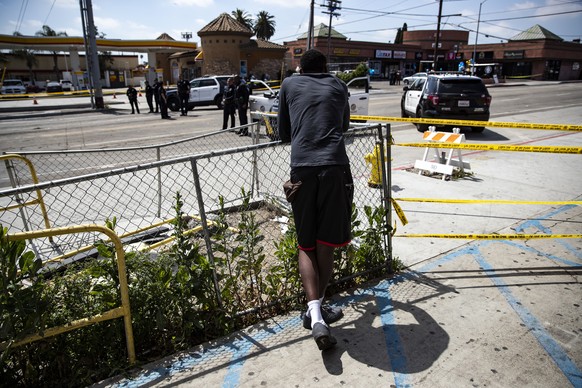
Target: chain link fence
140 191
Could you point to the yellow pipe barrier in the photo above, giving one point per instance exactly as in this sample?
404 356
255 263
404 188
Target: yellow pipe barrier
39 200
124 310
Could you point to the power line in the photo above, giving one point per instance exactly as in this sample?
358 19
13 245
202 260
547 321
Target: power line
21 14
535 16
49 12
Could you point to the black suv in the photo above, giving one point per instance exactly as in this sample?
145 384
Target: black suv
452 96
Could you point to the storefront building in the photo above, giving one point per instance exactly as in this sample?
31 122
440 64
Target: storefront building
533 54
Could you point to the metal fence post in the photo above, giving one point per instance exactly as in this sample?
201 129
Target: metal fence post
205 228
256 127
158 155
385 153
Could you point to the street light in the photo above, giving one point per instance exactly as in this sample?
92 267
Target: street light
186 35
476 38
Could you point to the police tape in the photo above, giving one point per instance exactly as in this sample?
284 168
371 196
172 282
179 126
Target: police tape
399 212
471 123
498 147
491 236
489 201
523 76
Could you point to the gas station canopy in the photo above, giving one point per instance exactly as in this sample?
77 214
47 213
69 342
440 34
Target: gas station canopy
68 43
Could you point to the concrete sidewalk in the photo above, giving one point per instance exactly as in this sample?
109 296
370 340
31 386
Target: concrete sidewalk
490 313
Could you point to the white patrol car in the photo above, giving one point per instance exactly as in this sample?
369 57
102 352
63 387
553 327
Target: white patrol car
263 102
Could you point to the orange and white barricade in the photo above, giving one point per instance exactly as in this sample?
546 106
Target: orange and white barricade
443 163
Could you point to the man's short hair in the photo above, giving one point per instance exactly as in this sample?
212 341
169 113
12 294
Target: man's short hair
313 61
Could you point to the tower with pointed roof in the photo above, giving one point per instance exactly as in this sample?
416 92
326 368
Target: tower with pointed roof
227 45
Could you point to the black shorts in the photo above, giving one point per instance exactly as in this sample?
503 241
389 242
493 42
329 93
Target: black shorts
322 207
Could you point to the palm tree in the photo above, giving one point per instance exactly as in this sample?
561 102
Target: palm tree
264 26
28 56
47 31
243 17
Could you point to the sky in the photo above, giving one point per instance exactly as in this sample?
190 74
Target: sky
359 20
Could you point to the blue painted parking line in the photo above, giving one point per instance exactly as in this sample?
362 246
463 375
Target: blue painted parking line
554 350
240 349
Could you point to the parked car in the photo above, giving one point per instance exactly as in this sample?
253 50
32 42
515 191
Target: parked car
455 97
67 85
411 78
204 91
13 86
33 89
53 87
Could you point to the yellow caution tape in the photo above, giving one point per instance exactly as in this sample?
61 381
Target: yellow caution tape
491 201
399 212
523 76
498 147
491 236
471 123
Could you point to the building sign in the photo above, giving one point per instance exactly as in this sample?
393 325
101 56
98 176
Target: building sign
576 66
418 55
399 54
346 52
514 54
297 51
386 54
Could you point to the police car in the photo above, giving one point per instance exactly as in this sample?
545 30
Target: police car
447 96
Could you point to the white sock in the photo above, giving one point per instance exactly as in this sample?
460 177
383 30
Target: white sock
314 312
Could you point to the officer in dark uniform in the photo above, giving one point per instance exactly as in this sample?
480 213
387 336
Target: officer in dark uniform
241 95
163 101
132 96
157 93
149 92
184 95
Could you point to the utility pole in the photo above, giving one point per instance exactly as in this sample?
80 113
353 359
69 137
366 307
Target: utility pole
438 33
332 5
476 38
310 28
91 51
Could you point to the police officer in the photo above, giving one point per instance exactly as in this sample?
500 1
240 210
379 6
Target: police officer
184 95
157 93
149 92
241 95
163 101
228 104
132 96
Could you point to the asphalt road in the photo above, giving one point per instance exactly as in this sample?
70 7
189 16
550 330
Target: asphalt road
68 129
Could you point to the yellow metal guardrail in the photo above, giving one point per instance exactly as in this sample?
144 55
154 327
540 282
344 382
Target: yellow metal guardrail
39 199
122 311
